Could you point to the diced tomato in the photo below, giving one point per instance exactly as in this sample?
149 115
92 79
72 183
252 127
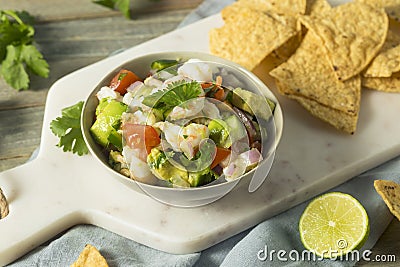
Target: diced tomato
207 85
142 137
122 80
219 94
221 154
215 90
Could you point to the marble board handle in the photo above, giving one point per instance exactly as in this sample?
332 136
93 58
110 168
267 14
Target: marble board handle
33 213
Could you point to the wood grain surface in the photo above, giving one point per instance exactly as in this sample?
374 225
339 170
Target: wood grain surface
74 33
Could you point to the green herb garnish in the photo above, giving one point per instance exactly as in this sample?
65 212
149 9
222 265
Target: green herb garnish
17 51
121 5
175 94
68 128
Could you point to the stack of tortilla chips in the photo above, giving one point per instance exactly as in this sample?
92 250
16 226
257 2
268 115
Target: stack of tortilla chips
328 52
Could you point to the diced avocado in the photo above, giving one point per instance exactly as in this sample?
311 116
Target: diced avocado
114 108
107 121
271 104
219 133
156 159
101 129
252 103
115 138
236 128
163 64
224 133
163 169
202 177
102 104
178 181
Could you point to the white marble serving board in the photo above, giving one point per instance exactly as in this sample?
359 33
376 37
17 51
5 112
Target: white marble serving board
58 190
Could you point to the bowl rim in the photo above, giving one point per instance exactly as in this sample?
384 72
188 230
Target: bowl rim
185 54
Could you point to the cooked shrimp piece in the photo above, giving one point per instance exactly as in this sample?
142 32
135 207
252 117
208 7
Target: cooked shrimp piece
152 82
184 139
188 109
171 133
106 91
191 137
139 117
196 70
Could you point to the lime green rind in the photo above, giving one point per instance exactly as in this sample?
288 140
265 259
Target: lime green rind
317 210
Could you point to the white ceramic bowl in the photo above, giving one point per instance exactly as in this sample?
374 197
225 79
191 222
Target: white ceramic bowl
181 197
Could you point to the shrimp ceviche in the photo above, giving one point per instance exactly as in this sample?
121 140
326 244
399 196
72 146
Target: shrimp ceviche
186 124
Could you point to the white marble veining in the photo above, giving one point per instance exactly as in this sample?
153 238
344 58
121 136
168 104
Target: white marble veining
58 190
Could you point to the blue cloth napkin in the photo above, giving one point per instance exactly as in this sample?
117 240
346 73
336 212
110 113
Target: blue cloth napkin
252 247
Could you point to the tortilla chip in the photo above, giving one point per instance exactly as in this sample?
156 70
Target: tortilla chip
338 119
288 7
388 60
392 7
265 6
353 34
286 50
317 7
90 257
390 84
390 193
308 74
251 36
3 205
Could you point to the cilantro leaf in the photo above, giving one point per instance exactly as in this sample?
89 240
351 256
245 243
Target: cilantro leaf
121 5
68 128
174 95
17 52
13 70
34 60
13 66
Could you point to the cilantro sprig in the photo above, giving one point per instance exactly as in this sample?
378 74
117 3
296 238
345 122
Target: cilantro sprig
18 54
176 93
121 5
68 128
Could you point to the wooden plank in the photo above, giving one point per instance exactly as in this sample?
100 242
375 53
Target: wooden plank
71 45
11 99
99 37
53 10
20 130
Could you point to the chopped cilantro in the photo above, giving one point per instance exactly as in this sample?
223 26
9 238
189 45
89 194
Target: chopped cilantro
174 95
17 52
68 128
121 76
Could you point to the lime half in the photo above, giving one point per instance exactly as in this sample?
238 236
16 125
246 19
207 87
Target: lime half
333 225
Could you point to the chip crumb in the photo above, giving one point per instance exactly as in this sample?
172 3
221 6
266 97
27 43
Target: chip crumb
90 257
390 193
